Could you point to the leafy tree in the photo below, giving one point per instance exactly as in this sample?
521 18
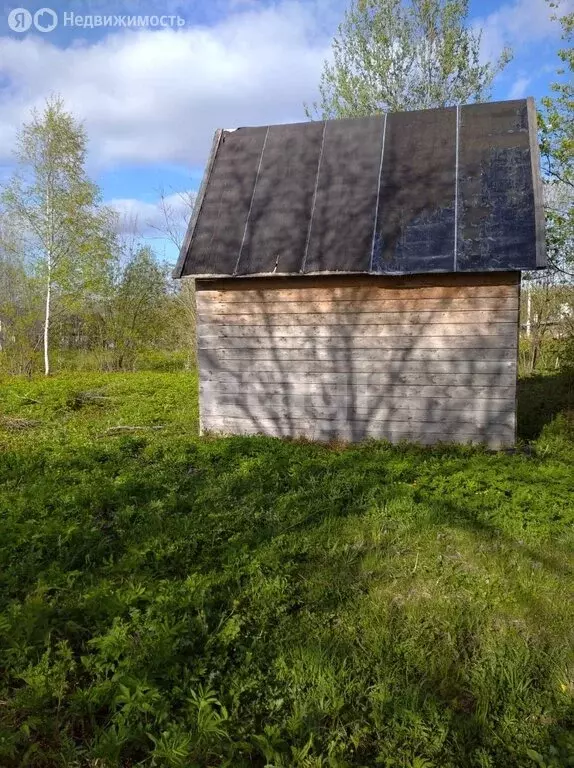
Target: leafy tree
56 206
392 55
557 149
138 308
547 315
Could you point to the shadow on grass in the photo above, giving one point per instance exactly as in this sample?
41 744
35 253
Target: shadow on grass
541 399
216 557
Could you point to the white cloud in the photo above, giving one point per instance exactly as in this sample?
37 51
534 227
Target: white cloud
519 89
519 23
145 219
158 96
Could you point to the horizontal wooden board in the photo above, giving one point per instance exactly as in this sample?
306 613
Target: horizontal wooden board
208 308
365 293
332 402
348 343
330 282
380 413
474 319
380 390
328 355
495 436
360 380
507 331
211 365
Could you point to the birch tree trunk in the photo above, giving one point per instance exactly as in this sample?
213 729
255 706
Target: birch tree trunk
49 264
47 323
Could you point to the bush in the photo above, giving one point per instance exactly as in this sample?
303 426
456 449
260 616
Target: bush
168 362
553 355
107 361
567 354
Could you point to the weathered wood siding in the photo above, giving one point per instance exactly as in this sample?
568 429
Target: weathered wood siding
423 358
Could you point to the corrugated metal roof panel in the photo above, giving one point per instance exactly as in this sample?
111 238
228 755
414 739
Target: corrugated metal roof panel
443 190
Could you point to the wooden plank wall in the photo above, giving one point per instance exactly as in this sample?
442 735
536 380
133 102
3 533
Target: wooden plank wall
422 358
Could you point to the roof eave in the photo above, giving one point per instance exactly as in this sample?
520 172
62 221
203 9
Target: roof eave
539 220
180 265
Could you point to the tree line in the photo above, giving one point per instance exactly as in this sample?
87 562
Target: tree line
73 288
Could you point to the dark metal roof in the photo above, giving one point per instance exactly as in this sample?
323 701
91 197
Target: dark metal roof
439 190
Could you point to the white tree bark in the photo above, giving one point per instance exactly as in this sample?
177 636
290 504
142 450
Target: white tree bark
47 323
50 221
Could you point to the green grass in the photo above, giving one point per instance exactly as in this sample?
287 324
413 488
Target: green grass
167 600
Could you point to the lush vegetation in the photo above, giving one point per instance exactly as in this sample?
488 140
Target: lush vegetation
397 55
167 600
79 288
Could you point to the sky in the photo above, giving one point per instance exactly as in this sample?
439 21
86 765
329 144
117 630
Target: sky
151 97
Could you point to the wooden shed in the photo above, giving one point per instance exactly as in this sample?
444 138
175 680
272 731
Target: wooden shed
360 278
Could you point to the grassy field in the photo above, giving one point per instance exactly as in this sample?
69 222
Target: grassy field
167 600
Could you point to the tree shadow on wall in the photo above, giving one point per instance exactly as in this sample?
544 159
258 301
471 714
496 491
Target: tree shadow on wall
322 364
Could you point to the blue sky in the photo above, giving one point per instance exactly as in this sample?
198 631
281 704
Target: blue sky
152 98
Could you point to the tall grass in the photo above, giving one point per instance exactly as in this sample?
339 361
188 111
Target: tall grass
30 363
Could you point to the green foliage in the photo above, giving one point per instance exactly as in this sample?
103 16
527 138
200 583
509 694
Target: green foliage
546 404
555 355
557 149
390 55
20 310
99 360
162 361
65 235
68 284
167 600
137 309
567 354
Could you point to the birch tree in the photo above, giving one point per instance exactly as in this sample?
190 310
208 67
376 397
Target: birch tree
394 55
50 198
